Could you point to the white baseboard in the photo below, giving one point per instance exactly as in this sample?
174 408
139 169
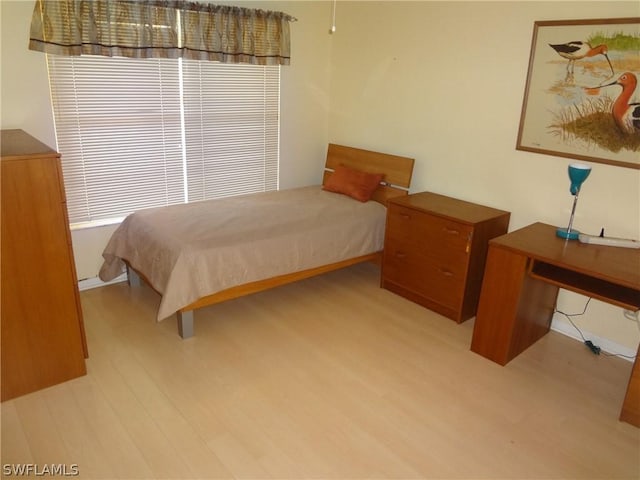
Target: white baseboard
606 345
95 282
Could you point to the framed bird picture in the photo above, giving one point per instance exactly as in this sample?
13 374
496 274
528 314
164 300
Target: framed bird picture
582 99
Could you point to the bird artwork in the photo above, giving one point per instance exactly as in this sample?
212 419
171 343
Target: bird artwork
578 50
625 114
587 114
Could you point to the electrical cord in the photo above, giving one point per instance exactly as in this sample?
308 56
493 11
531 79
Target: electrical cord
590 345
633 316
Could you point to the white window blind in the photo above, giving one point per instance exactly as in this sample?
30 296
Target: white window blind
231 111
140 133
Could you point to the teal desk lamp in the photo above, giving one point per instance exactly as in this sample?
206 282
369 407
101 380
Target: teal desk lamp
578 173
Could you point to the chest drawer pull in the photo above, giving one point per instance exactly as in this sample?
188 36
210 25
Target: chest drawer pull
445 272
451 231
400 254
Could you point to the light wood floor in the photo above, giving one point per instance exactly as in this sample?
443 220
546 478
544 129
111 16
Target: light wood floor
331 377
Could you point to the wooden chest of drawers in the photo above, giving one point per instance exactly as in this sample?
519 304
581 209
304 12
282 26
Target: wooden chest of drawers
435 250
42 331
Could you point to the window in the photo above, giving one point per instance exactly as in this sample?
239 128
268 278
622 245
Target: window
140 133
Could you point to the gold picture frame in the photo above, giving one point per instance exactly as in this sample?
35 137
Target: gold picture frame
578 71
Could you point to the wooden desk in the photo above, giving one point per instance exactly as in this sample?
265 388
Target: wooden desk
523 273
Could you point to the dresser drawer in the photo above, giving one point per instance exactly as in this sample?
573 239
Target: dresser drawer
426 232
453 262
424 275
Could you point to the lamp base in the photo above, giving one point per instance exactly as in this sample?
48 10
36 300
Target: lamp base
566 234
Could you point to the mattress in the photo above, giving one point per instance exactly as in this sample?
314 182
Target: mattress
192 250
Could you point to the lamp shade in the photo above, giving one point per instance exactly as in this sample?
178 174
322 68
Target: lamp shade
578 173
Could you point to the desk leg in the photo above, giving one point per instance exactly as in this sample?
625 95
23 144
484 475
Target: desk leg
631 407
515 310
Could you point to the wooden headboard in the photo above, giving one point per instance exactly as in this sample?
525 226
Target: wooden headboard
397 170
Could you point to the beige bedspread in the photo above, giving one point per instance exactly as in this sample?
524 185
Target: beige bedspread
193 250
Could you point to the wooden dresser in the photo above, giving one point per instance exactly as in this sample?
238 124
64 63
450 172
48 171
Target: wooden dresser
42 331
435 250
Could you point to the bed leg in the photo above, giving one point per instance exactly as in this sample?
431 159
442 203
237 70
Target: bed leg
133 277
185 323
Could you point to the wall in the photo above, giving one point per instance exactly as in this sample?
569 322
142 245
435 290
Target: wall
24 84
443 82
444 86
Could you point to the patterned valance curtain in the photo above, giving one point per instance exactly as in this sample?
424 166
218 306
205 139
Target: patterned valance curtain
161 29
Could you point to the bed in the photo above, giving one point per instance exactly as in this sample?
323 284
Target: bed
202 253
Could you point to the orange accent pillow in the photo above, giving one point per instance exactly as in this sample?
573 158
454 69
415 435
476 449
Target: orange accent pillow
354 183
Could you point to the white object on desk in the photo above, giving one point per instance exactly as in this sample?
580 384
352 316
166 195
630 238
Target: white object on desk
610 241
